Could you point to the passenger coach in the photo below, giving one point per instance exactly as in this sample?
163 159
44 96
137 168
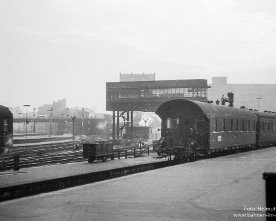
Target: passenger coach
266 129
6 129
195 128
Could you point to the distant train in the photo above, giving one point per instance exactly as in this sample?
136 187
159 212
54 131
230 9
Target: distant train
6 129
193 128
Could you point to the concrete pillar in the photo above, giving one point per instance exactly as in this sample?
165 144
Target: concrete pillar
131 123
113 126
118 124
127 126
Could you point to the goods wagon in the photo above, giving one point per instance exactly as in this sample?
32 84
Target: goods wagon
97 151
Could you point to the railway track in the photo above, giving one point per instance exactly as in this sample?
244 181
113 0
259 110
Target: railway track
39 155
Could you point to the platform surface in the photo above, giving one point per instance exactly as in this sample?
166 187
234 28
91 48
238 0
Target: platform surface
213 189
41 173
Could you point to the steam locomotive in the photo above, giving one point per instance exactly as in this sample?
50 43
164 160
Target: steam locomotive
193 128
6 129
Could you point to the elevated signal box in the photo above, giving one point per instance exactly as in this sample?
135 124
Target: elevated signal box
147 96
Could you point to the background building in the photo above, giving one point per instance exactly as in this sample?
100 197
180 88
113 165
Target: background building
255 96
137 77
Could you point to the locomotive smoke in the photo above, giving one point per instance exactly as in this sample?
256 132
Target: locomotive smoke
101 125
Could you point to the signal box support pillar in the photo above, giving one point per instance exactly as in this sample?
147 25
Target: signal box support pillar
113 126
131 123
118 126
127 122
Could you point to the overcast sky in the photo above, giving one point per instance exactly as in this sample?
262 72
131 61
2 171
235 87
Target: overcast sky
68 49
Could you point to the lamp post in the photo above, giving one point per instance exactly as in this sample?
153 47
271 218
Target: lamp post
145 120
34 120
19 121
67 120
26 106
82 113
62 122
259 98
73 120
51 115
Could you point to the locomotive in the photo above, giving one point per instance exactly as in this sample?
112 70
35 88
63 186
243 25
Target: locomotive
193 128
6 129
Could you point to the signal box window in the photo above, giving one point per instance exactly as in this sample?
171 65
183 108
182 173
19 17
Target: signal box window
172 123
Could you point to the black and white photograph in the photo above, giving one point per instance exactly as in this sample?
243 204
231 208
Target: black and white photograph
137 110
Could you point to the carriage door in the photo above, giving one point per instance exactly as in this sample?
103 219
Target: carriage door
201 132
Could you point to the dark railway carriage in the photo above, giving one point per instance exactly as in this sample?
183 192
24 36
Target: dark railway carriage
6 129
266 129
194 128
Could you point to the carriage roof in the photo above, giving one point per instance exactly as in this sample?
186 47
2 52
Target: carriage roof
209 110
5 112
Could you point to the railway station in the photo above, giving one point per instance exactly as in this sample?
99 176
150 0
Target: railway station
189 159
136 110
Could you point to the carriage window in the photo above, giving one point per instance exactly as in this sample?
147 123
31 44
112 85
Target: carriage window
223 125
243 125
172 123
237 125
5 125
270 126
231 124
254 125
248 125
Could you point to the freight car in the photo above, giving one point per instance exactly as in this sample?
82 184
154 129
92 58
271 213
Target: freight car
6 129
96 151
193 128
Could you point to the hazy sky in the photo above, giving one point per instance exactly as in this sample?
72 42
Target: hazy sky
68 49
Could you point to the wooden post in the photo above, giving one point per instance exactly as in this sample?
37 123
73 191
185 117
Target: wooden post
148 151
134 150
16 162
125 154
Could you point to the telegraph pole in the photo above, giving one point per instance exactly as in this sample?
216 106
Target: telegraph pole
26 106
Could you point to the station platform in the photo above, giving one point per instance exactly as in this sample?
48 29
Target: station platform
222 188
36 143
49 172
39 138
